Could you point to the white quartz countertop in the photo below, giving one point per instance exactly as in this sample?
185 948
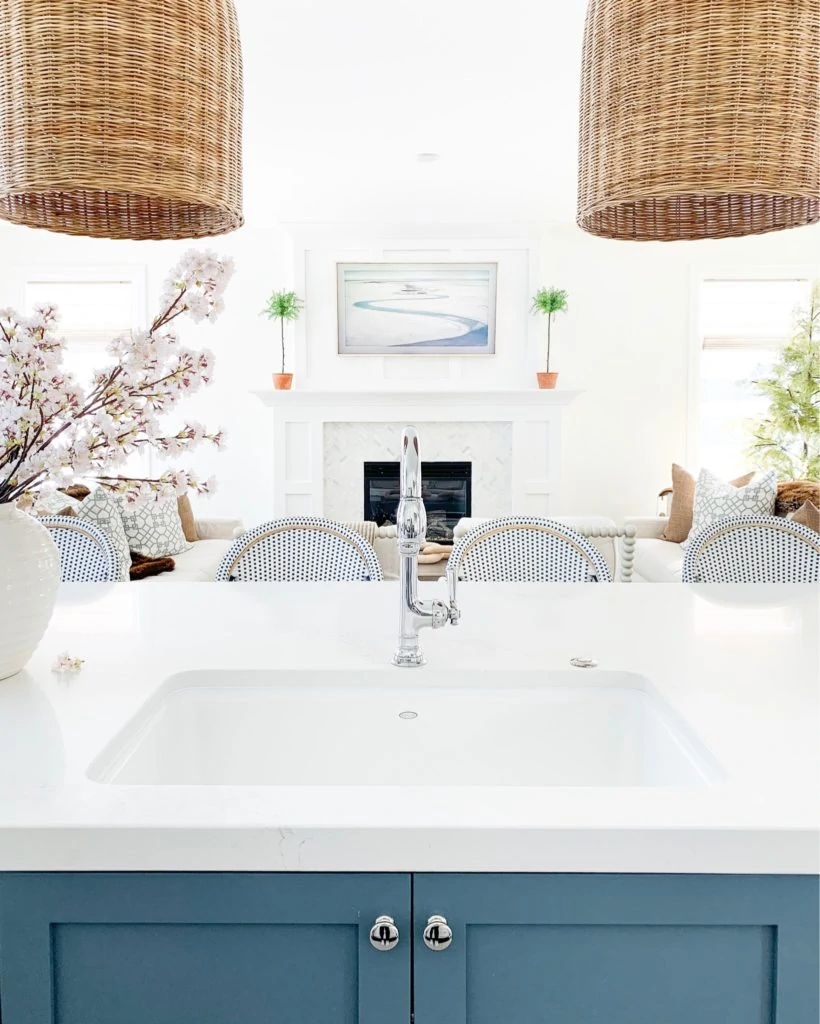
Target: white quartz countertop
741 665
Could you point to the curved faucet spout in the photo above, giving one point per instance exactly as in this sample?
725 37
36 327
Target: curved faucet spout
410 474
411 527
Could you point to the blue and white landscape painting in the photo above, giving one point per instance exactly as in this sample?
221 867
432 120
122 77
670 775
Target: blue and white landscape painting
417 308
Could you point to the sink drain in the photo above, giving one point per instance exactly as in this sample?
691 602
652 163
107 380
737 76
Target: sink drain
583 662
408 714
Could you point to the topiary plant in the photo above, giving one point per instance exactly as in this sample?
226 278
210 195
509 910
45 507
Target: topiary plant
549 301
282 306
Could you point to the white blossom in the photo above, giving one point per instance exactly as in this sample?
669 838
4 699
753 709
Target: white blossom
52 429
66 663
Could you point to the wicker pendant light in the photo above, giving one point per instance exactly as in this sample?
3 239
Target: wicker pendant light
121 118
699 118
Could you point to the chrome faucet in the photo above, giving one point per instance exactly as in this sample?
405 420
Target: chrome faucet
411 526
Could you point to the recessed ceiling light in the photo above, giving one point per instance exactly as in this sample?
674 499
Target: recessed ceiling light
428 158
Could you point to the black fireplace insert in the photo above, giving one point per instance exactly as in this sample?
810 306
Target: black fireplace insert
446 488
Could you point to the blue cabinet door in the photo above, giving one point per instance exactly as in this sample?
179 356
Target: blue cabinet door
202 949
610 949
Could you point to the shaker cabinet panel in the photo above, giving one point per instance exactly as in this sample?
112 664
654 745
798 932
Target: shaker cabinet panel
204 949
480 949
582 949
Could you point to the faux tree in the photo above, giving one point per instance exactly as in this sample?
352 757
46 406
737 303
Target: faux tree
787 437
282 306
54 430
549 301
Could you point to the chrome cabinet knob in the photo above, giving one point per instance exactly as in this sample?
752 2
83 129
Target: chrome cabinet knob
438 935
384 935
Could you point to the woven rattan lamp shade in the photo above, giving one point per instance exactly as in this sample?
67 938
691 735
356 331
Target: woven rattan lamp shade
121 118
699 118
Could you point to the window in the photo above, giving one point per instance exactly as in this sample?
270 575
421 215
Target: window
95 304
743 323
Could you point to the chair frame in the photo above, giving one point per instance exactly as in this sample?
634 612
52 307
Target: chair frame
91 532
287 524
560 531
731 524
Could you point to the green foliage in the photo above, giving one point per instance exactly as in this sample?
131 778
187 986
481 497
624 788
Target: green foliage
787 438
549 301
282 306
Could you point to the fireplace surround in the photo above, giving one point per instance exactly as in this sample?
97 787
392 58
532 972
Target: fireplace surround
321 440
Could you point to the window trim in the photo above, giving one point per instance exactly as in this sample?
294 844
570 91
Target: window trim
698 276
69 273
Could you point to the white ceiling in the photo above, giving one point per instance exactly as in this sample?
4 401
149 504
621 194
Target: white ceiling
340 97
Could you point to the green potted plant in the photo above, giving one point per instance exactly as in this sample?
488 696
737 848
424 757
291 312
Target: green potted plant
787 437
549 301
283 305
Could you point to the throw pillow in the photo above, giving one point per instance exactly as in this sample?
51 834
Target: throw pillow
55 503
714 499
186 515
808 515
103 510
153 528
793 494
679 525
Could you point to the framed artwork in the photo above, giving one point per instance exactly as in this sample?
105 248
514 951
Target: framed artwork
417 308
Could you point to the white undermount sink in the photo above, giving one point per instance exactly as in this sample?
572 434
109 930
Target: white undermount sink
427 728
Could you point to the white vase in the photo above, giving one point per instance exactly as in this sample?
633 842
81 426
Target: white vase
29 577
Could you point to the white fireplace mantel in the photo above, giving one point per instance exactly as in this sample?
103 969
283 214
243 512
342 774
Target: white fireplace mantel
427 399
320 441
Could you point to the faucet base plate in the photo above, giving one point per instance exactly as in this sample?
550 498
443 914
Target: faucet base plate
409 659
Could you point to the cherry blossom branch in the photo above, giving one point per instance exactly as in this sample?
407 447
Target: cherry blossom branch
49 427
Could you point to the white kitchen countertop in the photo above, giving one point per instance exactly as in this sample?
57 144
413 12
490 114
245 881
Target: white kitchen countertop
740 664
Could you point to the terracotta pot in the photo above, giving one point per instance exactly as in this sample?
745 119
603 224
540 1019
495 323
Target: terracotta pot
547 380
282 381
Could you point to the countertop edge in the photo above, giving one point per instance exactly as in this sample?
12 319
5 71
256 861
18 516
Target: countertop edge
578 851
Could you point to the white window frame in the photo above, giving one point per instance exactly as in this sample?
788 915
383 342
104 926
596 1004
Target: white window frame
135 275
697 276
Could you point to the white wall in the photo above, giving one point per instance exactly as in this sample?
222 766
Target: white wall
244 344
626 340
319 248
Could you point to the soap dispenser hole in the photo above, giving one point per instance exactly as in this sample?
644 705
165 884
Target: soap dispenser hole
408 715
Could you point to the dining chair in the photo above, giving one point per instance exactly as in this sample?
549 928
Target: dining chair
527 549
86 553
299 548
753 549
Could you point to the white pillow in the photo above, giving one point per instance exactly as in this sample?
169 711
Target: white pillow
154 529
716 498
52 503
103 510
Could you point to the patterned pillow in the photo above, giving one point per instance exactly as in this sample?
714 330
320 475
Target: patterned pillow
679 523
714 499
154 528
103 510
55 503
